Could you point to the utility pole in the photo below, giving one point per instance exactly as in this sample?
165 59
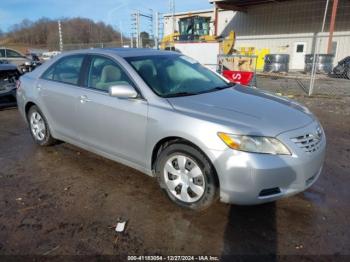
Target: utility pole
136 21
138 29
121 33
156 36
134 27
172 10
159 29
315 57
60 35
151 23
135 18
331 26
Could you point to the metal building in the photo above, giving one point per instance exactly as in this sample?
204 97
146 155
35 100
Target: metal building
281 26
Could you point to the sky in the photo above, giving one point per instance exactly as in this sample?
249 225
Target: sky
113 12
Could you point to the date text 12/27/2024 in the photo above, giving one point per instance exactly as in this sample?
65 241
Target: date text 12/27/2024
173 258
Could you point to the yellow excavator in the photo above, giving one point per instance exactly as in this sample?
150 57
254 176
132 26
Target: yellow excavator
197 29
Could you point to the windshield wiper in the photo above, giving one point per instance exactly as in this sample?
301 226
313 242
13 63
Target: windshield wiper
224 87
201 92
217 88
180 94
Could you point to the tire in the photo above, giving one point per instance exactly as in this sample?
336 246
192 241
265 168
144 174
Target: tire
39 128
177 184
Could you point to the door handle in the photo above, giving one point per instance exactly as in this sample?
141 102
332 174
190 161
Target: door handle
38 86
84 99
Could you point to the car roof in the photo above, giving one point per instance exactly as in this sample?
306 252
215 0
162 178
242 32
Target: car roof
124 52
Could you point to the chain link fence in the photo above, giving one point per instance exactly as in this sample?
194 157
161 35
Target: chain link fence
27 48
296 46
115 44
306 45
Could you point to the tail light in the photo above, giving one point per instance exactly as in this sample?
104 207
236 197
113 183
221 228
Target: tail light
18 84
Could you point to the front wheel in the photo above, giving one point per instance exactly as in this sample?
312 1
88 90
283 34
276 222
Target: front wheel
187 176
39 128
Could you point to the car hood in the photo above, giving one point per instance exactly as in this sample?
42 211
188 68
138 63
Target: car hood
6 67
245 110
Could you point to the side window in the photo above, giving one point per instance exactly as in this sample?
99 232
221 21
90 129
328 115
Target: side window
66 70
12 53
2 52
104 72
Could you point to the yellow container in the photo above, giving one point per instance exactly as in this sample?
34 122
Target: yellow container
261 56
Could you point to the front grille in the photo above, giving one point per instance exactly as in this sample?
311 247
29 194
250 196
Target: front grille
309 143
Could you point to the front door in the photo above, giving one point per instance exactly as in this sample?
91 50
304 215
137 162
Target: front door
109 124
298 56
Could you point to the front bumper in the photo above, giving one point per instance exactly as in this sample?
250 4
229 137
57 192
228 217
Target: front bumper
248 178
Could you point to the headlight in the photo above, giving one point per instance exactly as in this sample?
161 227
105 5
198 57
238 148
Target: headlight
254 144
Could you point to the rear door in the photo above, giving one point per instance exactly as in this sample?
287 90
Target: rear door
109 124
59 91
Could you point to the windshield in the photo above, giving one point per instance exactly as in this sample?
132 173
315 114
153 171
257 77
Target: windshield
173 75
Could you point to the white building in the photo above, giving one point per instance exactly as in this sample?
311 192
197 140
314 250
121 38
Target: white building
283 26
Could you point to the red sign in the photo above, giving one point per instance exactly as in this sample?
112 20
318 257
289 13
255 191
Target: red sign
238 77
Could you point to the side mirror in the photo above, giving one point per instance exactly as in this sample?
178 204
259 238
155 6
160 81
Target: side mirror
123 91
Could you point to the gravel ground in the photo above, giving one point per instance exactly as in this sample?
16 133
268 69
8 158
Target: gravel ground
62 200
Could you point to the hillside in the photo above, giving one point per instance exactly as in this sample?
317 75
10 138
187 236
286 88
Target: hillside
44 33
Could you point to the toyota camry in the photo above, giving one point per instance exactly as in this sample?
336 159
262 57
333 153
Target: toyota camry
202 137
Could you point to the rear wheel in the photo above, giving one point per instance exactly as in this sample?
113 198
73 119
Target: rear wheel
187 176
39 128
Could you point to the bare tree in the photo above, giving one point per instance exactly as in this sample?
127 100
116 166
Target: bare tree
75 30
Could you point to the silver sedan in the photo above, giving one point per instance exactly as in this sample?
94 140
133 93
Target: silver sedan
171 118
